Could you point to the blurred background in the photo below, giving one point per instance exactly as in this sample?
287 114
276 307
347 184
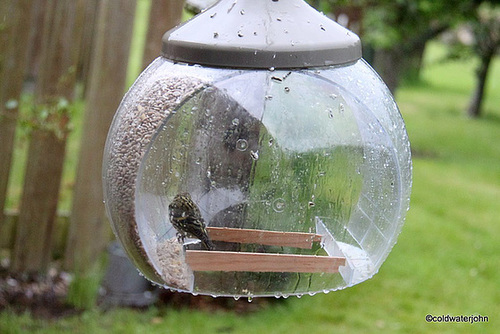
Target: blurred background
66 64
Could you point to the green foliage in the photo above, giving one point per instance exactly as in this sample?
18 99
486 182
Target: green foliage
53 116
388 23
84 288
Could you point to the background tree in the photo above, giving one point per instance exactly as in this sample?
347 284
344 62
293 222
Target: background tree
399 30
485 26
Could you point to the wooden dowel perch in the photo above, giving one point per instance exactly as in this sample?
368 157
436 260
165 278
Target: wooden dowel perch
263 237
261 262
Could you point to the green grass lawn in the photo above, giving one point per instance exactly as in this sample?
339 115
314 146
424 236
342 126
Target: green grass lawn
445 262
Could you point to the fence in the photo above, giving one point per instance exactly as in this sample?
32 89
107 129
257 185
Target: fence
65 44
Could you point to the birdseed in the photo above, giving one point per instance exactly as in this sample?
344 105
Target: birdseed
139 120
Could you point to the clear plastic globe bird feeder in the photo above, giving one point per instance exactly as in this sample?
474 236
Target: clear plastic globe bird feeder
288 143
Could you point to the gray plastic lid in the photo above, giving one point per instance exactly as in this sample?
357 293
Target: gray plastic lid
261 34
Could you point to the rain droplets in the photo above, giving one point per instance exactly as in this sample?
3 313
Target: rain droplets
279 205
241 145
254 155
341 108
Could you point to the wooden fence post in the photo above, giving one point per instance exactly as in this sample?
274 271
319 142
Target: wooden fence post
164 15
37 15
14 38
108 67
53 95
88 39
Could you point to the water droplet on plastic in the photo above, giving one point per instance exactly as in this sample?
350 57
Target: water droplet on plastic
198 161
249 299
279 205
271 142
333 96
216 34
311 204
213 15
299 296
241 145
271 69
254 155
330 113
341 108
269 97
242 12
235 121
287 89
240 34
236 297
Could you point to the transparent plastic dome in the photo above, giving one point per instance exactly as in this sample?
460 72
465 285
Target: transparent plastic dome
320 152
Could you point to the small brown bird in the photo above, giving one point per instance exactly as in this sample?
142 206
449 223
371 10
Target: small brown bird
187 220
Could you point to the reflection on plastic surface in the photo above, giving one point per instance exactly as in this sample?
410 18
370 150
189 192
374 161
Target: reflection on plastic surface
323 152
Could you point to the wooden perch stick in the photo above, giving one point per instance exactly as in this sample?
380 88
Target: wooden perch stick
263 237
261 262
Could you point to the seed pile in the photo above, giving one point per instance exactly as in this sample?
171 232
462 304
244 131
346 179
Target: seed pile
173 265
139 120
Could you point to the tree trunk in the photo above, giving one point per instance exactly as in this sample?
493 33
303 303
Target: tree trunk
404 60
109 62
164 15
414 64
14 40
476 101
46 151
389 64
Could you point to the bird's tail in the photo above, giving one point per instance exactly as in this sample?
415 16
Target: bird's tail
207 243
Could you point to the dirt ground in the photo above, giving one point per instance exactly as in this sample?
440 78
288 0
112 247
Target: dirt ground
45 296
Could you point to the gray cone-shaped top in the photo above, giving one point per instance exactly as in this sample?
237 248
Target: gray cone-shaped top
261 34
